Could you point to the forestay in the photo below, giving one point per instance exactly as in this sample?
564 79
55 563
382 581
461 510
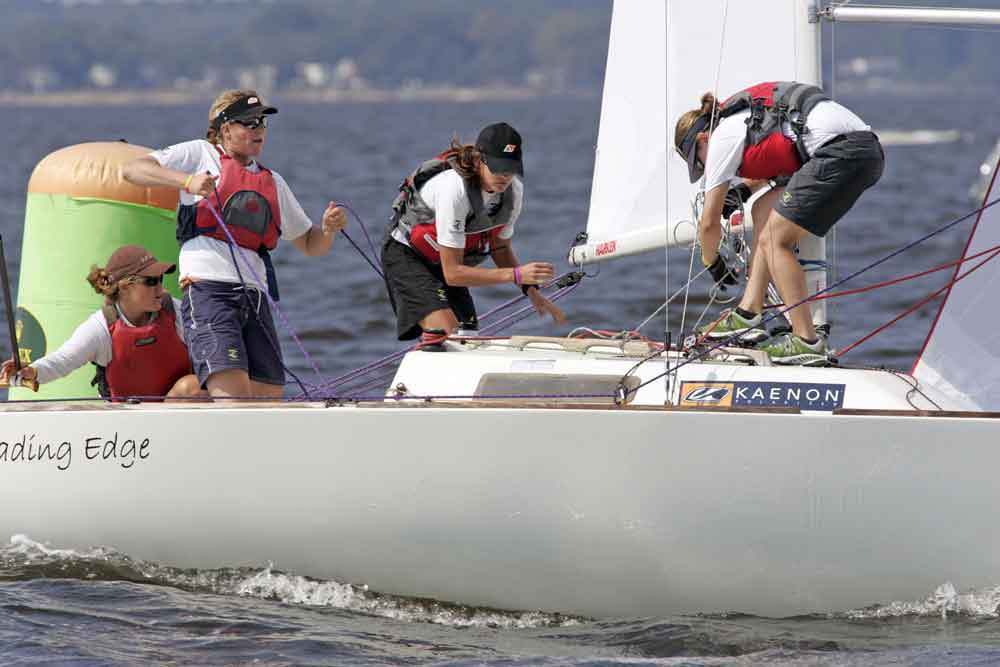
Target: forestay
662 57
961 356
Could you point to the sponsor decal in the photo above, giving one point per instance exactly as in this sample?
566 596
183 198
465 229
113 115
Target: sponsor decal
509 148
253 100
30 336
606 248
143 342
802 395
786 197
707 393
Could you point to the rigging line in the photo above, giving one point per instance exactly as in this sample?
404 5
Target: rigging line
363 254
894 281
718 68
773 316
364 228
243 256
914 307
683 288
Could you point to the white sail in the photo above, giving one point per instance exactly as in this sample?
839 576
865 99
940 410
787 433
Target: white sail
961 356
662 57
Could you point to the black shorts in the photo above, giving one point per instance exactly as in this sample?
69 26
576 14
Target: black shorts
417 288
828 185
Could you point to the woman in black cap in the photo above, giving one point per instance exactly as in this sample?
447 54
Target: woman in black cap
225 269
452 213
135 339
822 155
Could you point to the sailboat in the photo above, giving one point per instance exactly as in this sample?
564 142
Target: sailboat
592 476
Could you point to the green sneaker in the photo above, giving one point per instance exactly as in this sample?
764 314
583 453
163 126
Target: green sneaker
733 325
791 350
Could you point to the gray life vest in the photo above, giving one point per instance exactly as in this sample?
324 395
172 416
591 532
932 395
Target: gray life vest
416 219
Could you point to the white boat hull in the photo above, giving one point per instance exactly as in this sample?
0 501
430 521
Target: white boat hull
602 512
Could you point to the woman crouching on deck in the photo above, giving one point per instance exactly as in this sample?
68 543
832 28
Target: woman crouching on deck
452 212
135 340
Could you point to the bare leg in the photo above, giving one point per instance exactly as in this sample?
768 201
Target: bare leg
443 319
187 387
229 383
264 390
760 274
777 244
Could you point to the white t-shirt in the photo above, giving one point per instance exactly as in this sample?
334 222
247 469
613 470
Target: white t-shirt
207 258
725 148
90 343
445 194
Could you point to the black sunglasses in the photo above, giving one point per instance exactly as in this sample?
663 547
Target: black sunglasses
252 123
150 281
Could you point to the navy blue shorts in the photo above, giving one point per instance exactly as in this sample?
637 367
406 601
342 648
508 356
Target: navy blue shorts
227 326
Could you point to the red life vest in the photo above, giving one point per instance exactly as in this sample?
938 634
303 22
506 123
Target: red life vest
418 220
249 208
767 152
146 360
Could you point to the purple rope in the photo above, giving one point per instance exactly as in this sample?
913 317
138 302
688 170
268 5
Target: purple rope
361 222
525 311
270 301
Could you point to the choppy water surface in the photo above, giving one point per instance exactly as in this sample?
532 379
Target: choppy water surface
100 607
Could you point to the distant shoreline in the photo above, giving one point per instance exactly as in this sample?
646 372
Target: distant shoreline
458 94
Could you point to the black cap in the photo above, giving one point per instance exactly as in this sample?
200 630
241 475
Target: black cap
500 146
246 107
688 148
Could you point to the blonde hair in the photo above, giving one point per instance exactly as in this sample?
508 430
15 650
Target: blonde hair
687 119
102 283
226 98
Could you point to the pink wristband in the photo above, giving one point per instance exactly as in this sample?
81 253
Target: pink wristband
517 275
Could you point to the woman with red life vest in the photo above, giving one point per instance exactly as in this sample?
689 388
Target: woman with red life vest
780 131
452 213
225 268
135 340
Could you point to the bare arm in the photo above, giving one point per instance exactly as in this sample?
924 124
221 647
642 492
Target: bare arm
319 239
147 172
710 224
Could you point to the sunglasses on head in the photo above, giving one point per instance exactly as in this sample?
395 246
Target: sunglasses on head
149 281
252 123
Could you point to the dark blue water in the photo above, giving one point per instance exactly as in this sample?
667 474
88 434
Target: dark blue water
102 608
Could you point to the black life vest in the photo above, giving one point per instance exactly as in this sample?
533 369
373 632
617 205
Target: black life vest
768 152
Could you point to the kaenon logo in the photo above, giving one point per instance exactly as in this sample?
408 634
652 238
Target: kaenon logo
707 394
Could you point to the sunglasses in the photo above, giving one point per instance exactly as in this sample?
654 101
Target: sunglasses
149 281
252 123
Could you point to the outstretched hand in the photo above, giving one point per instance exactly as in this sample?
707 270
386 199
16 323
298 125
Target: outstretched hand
536 273
334 219
545 307
201 184
28 374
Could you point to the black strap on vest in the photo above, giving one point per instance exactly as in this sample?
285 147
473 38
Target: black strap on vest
792 102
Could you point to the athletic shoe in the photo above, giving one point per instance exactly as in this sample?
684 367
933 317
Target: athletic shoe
791 350
735 326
